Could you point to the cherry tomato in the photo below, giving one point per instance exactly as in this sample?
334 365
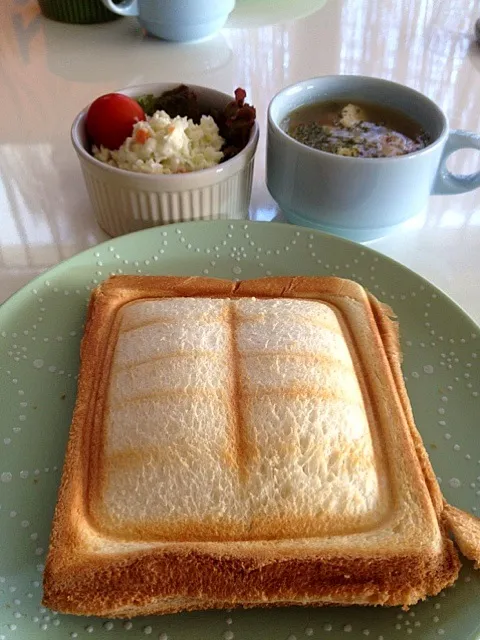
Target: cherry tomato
110 119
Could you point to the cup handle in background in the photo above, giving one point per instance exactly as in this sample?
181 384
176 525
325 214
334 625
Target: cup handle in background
125 8
446 182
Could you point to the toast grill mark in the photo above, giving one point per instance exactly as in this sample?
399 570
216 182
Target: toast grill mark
300 391
236 395
317 358
167 356
129 328
158 395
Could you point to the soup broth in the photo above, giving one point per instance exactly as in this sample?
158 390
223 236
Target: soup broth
357 129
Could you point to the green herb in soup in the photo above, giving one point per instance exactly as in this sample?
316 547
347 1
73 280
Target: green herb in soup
358 130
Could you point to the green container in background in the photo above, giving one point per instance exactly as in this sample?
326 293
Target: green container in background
76 11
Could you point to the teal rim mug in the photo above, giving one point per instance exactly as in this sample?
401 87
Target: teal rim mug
361 198
176 20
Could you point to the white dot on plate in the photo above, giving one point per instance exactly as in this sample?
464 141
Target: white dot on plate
38 363
108 625
128 625
6 476
147 630
455 483
228 635
348 627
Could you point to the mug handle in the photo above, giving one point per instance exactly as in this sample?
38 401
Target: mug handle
125 8
446 182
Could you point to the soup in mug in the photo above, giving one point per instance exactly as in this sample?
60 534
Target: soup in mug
359 130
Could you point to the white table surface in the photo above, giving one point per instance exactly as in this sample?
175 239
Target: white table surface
49 71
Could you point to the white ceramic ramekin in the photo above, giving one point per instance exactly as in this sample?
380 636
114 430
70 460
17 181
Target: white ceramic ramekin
125 201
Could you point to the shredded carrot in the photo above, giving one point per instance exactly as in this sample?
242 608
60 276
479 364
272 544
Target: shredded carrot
171 128
141 136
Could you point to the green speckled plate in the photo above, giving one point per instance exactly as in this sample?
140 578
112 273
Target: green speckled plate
40 329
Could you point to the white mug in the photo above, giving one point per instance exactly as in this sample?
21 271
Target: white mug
177 20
